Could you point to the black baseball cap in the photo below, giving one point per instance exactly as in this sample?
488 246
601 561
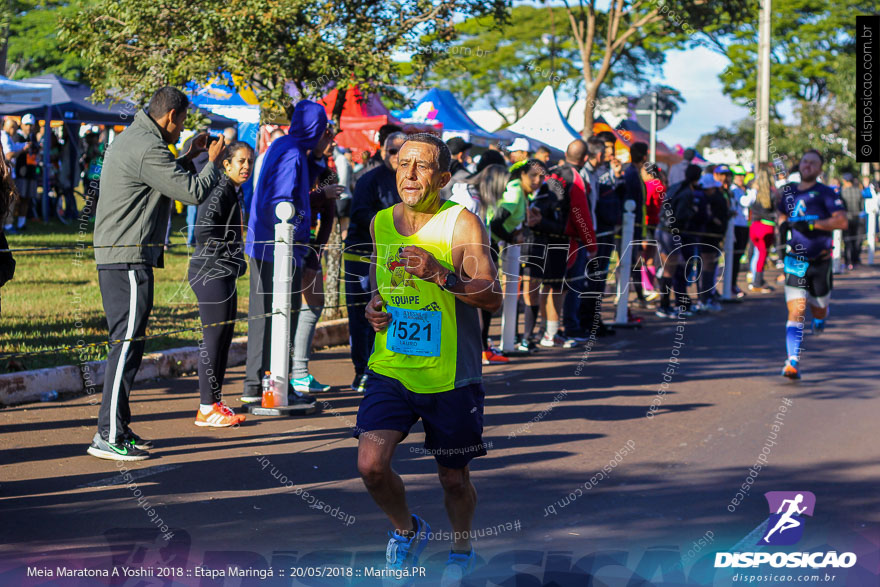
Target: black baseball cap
458 145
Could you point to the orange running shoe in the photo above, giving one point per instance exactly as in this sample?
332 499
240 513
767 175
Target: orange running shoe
790 370
220 416
490 357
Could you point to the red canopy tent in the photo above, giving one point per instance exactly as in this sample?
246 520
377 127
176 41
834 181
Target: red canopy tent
362 117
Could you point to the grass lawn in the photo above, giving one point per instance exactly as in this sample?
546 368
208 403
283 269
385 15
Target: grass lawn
54 299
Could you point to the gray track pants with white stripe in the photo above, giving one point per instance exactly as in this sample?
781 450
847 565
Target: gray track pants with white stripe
128 300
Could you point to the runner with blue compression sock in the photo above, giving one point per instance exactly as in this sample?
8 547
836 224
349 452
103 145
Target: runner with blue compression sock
813 211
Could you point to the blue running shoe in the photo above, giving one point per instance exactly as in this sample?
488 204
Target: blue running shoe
308 385
457 566
818 326
403 553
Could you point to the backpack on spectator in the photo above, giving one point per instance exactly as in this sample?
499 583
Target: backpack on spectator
609 208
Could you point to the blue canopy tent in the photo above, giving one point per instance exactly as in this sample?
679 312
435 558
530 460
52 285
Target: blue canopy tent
30 95
441 106
70 103
220 97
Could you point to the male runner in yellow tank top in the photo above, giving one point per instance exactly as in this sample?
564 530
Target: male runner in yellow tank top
431 273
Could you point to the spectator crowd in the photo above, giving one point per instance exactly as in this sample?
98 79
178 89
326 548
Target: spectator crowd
565 215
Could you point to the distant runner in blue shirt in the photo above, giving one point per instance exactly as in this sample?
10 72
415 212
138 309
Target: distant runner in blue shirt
813 211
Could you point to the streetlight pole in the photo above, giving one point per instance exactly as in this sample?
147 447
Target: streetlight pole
762 111
653 154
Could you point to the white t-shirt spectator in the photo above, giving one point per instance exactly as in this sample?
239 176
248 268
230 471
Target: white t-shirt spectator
741 202
11 145
466 195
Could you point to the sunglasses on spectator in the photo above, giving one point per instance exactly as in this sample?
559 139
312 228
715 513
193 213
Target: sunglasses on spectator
392 151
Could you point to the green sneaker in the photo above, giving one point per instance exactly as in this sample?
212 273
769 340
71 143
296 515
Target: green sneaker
116 452
308 385
129 437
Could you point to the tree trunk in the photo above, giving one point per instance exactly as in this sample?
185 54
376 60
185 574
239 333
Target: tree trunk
4 51
577 95
334 250
331 283
592 92
339 105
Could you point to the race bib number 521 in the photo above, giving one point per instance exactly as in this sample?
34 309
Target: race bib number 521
414 332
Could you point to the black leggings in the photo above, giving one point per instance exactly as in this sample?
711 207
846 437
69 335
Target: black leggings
740 241
217 303
486 315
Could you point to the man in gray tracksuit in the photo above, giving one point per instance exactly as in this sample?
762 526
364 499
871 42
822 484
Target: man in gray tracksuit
139 179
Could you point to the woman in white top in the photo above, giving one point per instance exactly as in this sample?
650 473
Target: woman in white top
481 191
479 194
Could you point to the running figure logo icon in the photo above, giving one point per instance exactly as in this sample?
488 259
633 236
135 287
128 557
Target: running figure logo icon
785 525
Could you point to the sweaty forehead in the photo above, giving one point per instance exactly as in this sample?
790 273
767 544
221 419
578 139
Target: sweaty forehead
419 152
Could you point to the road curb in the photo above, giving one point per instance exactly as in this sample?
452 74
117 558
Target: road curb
88 378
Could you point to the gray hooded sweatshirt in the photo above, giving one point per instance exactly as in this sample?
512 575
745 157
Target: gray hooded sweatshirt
139 179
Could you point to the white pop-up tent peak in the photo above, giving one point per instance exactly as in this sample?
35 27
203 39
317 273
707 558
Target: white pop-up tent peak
544 122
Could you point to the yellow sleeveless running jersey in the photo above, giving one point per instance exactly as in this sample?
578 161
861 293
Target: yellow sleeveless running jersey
433 342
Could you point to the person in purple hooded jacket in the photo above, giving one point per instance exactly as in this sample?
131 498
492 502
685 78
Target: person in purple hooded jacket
286 176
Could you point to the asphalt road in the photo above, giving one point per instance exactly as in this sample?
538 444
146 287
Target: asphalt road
547 513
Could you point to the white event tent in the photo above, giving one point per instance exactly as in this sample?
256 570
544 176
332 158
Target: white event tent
544 122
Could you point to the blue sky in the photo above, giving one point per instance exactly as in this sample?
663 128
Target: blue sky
695 74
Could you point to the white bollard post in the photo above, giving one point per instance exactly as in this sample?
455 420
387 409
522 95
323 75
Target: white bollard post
279 351
729 252
282 283
624 265
836 263
510 268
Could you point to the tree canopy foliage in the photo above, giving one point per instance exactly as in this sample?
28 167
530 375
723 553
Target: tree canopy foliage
33 44
811 41
278 47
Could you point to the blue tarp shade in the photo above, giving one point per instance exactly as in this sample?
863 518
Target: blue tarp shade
70 104
24 94
221 97
455 119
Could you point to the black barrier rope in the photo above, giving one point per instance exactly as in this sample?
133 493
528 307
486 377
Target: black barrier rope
362 252
86 246
10 356
62 349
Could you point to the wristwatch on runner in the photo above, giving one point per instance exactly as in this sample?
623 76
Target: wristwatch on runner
450 281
